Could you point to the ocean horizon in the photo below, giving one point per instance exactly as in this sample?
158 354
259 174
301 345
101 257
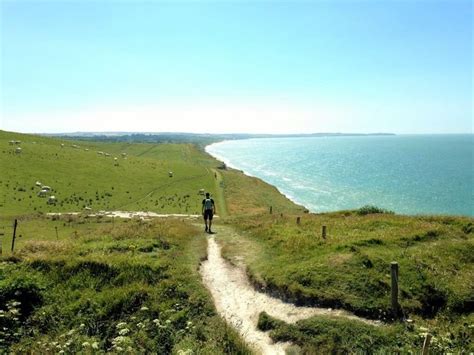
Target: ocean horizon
419 174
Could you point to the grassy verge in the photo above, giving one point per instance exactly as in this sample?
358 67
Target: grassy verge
350 269
109 287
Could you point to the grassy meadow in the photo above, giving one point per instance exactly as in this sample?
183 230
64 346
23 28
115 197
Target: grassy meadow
96 284
80 177
109 286
350 269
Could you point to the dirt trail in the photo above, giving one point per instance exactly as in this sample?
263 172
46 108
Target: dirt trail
240 304
129 214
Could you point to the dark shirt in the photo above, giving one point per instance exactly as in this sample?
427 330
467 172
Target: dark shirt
204 202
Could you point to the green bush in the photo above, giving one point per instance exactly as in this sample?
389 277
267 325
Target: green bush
369 209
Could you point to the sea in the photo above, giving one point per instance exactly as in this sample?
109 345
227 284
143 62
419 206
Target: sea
407 174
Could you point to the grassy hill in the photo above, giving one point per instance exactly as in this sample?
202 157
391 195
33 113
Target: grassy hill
80 177
350 269
78 282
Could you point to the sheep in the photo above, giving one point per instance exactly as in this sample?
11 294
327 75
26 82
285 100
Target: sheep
46 188
107 154
116 163
86 149
18 150
87 208
38 184
42 193
52 200
170 174
201 192
62 145
100 153
124 155
11 142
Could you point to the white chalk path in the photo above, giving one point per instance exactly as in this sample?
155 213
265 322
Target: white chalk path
240 304
130 214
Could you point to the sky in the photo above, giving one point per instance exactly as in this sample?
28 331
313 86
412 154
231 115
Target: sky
237 66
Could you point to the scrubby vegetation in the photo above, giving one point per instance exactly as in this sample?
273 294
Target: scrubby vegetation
129 286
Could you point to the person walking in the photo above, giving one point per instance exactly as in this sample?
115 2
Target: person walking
208 211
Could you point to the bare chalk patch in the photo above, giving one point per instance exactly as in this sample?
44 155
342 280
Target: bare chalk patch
240 304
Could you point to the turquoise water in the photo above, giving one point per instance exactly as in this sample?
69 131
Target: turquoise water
408 174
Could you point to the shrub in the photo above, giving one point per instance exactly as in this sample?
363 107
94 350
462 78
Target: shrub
369 209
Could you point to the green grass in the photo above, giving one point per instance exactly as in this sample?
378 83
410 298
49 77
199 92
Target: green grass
350 269
340 336
128 285
82 287
81 178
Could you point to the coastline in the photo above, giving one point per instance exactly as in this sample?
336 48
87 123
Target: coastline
310 206
229 164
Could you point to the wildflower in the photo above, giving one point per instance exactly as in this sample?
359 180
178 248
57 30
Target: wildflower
121 325
82 325
95 345
86 344
119 339
124 331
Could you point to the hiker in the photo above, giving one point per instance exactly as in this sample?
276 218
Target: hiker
208 210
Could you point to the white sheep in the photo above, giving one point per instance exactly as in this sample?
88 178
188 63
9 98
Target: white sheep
38 184
18 150
52 200
42 193
46 188
170 174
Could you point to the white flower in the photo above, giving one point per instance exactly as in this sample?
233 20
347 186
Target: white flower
144 308
121 325
86 344
119 339
124 331
95 345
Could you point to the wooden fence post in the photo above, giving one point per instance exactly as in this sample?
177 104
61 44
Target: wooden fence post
323 232
426 345
394 278
15 224
271 209
1 235
56 228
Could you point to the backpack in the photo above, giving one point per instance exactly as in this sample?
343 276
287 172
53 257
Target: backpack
208 204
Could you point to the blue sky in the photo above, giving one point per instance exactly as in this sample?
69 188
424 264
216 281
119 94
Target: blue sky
241 66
